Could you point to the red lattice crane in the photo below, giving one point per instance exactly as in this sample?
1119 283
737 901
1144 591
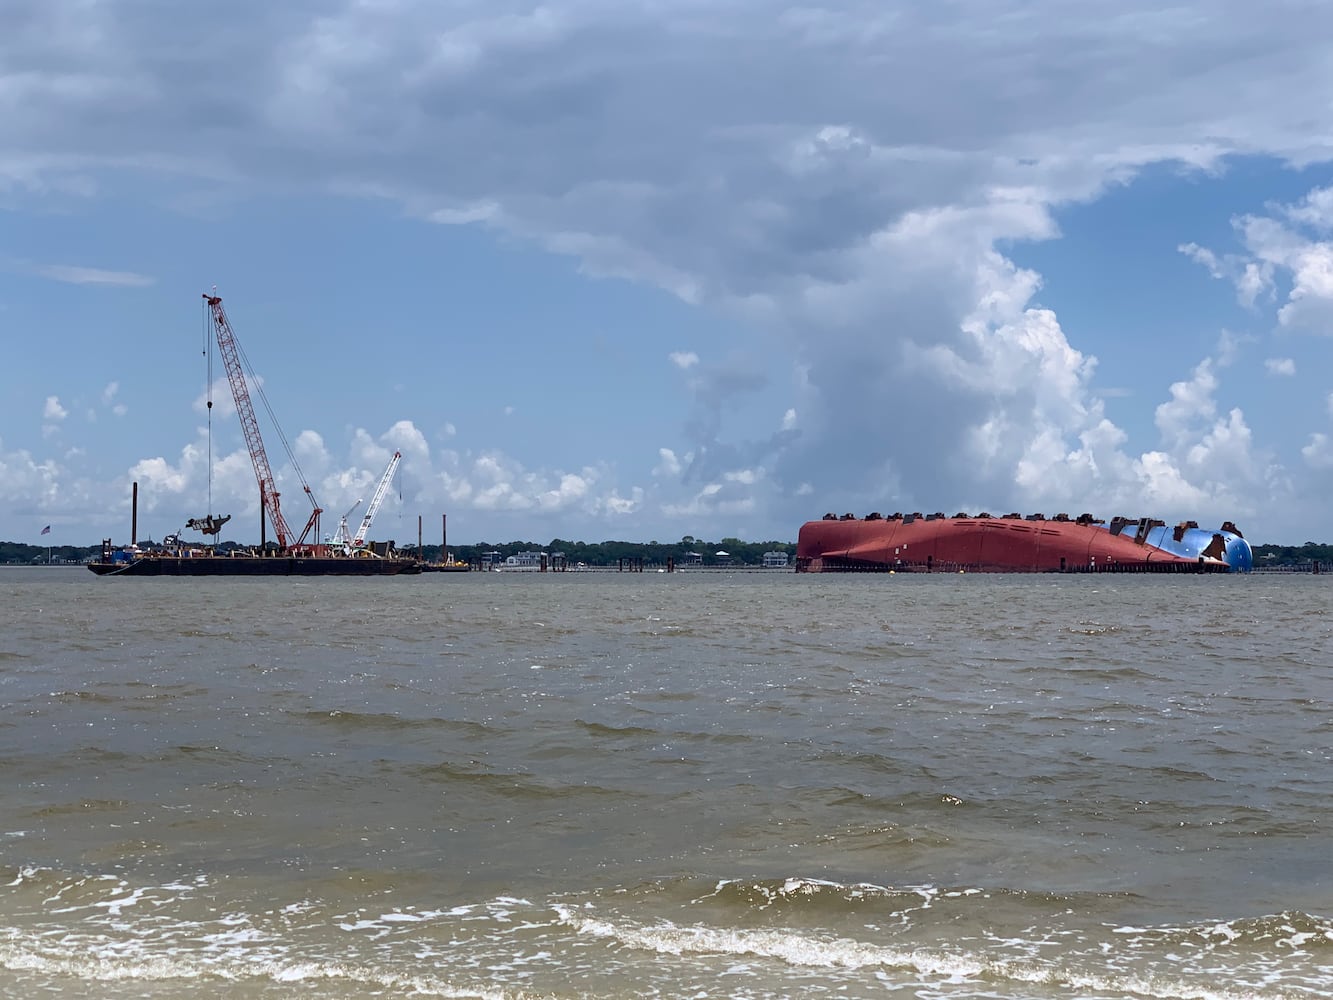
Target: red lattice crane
268 488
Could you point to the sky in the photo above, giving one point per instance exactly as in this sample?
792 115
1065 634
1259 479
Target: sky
643 269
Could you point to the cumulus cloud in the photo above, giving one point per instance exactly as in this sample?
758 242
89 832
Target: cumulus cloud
25 479
1288 243
53 410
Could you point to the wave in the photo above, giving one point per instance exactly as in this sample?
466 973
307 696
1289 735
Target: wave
508 784
688 935
805 928
109 962
351 721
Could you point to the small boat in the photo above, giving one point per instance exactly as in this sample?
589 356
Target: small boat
449 566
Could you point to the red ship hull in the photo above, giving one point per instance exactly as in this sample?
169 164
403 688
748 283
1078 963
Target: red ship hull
982 544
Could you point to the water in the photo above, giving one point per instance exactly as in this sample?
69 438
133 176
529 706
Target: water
653 785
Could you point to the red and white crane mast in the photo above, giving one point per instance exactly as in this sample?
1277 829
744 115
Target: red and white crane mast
268 487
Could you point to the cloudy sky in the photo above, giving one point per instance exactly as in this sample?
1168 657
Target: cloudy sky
638 269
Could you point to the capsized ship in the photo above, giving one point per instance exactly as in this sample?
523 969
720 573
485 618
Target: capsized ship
983 543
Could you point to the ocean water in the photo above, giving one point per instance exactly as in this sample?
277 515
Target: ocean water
666 785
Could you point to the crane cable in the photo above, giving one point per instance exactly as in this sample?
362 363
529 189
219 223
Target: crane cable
208 394
273 419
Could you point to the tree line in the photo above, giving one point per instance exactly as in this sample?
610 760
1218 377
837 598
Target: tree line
689 549
1293 555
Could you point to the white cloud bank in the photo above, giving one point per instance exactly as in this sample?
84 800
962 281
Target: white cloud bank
843 176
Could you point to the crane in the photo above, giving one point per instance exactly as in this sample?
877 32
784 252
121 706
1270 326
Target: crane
342 537
268 487
380 491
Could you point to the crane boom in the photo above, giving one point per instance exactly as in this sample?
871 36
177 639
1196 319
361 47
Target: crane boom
380 491
268 488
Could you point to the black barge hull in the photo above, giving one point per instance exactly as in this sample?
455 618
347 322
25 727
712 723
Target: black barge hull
255 566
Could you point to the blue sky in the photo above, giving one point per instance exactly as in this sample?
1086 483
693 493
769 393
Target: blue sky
645 269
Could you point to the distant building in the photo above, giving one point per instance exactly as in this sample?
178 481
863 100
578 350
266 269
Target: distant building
692 559
524 561
722 558
775 560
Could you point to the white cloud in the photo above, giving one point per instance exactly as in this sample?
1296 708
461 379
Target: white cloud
25 479
619 506
668 464
1283 244
220 395
53 410
684 360
93 276
1204 256
1280 366
1318 454
1253 279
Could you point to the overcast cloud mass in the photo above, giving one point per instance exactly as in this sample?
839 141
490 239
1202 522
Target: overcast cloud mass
844 195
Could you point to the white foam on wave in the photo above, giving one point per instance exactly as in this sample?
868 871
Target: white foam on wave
809 951
786 946
118 961
798 885
499 911
24 874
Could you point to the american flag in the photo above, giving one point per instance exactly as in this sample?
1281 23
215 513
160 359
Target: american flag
46 530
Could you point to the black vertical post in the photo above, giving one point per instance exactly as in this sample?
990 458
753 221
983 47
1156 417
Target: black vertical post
134 515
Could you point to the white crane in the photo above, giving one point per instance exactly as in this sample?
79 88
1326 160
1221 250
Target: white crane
343 537
380 491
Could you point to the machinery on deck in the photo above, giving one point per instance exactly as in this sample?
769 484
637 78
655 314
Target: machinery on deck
342 538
